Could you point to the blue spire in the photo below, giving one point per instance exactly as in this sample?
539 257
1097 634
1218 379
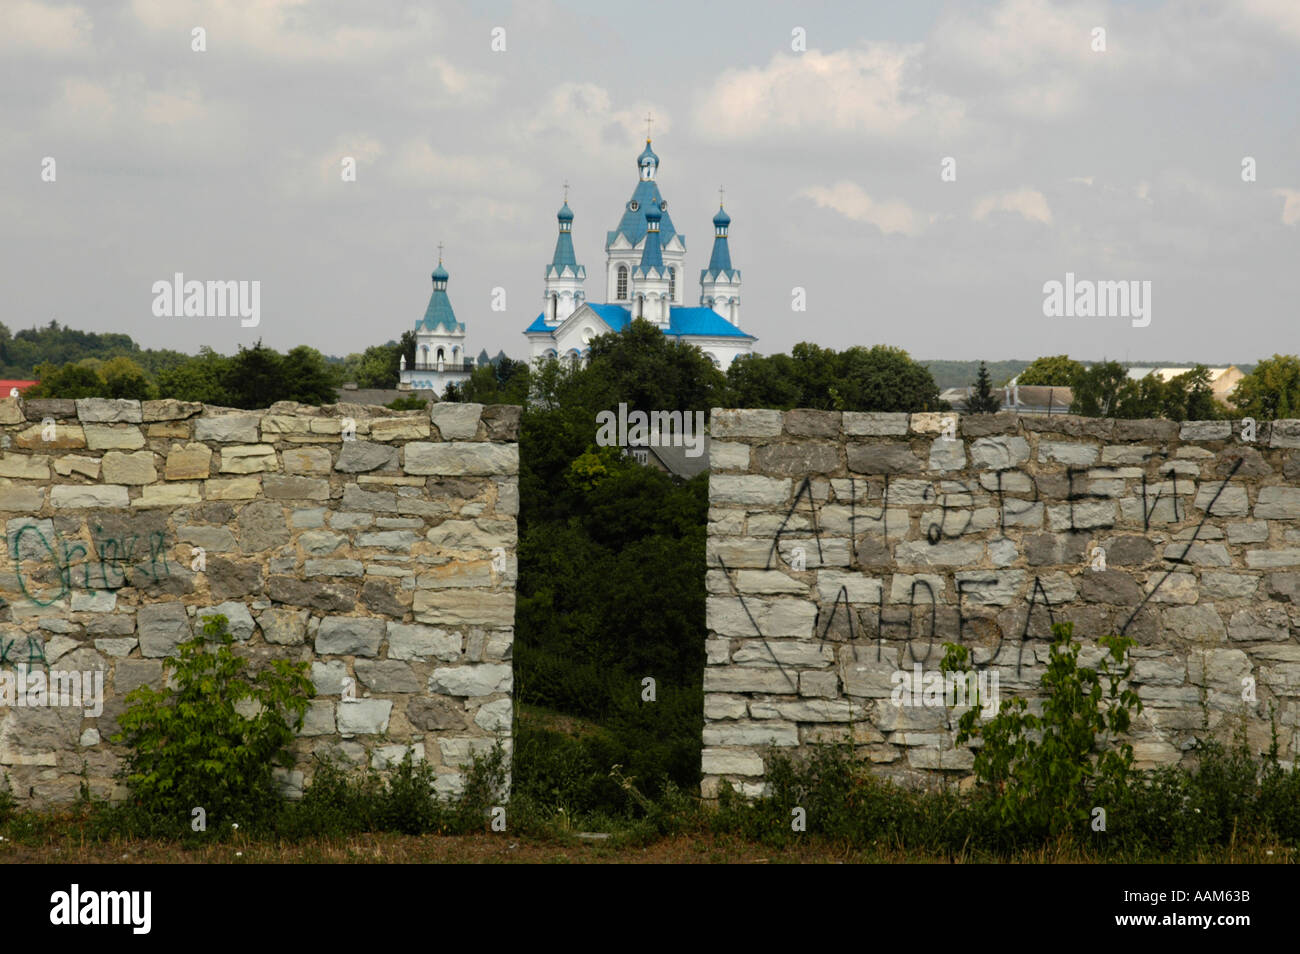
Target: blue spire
720 261
564 256
439 314
652 254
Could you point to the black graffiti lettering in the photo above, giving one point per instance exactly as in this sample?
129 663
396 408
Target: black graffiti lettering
1071 496
1004 510
911 618
841 597
791 681
804 488
937 531
6 646
1148 508
961 613
1182 558
882 519
1028 616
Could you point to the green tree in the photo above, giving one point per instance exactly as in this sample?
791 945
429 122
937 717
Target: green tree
255 377
378 366
983 400
1097 391
1271 391
1054 371
123 378
200 378
307 378
757 381
506 382
69 381
880 378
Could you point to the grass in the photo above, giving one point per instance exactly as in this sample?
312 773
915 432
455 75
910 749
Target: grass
62 839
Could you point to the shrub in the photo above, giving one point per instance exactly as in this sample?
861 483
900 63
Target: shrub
192 748
1046 773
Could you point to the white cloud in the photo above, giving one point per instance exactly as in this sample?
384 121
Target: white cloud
1290 207
584 113
418 164
1082 180
851 201
282 29
869 91
1037 54
29 25
1280 15
1029 204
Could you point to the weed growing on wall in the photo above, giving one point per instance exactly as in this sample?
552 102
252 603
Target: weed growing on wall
194 756
1047 773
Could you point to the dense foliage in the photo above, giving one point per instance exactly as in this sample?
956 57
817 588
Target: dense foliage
1105 390
1058 371
880 378
194 745
1272 390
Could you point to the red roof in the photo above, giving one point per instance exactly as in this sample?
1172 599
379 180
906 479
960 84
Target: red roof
7 386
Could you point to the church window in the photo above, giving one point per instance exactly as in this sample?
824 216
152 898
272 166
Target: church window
672 284
620 293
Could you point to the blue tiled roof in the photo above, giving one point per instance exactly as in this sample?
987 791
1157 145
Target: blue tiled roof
439 314
633 223
564 252
704 322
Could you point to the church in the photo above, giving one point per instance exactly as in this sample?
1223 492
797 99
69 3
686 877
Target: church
644 270
440 356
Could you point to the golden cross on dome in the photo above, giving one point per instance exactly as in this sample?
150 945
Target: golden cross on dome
721 194
649 120
566 191
439 253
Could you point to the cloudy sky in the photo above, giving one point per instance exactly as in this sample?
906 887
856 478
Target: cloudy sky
1122 164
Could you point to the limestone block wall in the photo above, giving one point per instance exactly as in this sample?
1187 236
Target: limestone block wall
845 549
379 546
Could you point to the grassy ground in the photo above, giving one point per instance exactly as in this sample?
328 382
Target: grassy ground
59 839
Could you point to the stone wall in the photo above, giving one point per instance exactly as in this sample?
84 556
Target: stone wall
845 549
379 546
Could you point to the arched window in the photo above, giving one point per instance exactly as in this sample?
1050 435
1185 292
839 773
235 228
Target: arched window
672 284
440 356
620 292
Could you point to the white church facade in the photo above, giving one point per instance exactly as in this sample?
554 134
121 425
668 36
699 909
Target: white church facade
645 259
440 355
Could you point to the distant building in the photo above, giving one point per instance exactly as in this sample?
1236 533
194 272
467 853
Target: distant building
670 459
440 356
13 388
1223 381
1024 399
645 258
